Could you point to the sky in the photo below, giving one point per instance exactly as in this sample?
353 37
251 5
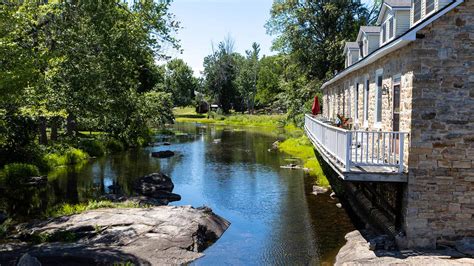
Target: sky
205 22
210 21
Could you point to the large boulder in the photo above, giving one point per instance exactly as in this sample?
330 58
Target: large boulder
157 186
142 236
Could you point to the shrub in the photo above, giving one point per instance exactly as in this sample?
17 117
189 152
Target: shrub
55 160
74 156
92 147
14 173
114 145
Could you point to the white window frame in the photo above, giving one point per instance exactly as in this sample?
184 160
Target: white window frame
366 88
378 97
356 101
421 12
425 3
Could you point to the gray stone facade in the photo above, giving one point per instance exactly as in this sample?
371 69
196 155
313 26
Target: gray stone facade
436 73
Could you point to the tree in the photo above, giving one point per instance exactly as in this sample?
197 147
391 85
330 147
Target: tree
269 78
180 82
220 71
247 76
313 32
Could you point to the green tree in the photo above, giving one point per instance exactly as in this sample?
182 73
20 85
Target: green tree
313 32
269 79
247 76
180 82
220 71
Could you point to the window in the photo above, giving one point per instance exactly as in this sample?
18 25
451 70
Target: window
430 6
416 10
378 98
366 101
356 101
390 28
384 27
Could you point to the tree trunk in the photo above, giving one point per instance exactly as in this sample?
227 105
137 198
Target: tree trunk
54 128
71 125
43 137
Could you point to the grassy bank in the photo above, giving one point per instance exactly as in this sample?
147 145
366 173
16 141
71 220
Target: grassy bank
70 209
301 148
189 115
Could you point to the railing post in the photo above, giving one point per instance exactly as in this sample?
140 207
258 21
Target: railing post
348 151
400 149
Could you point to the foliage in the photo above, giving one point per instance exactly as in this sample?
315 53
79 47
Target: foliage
92 147
247 76
270 75
180 82
220 70
114 145
15 173
74 156
313 32
70 209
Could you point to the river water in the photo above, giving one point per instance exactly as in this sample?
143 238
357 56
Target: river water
274 217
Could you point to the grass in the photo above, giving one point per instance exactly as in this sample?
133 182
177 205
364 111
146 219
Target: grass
301 148
15 173
70 209
188 114
69 156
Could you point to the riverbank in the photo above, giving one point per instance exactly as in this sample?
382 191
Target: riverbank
357 251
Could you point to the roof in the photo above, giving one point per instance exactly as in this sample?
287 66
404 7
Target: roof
351 46
398 3
392 4
367 30
394 44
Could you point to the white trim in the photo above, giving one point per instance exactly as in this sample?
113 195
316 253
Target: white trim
378 95
393 46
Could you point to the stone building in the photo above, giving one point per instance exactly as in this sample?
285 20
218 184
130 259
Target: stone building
409 97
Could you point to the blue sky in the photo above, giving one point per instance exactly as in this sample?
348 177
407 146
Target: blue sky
209 21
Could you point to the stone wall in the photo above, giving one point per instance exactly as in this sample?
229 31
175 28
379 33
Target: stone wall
437 110
440 194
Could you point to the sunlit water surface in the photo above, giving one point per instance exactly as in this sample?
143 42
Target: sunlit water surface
274 217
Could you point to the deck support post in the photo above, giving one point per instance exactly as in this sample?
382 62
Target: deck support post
400 148
348 150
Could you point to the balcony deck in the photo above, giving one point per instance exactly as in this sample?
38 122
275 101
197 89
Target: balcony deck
359 155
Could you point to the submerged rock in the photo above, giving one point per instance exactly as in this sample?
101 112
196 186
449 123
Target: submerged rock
151 236
162 154
319 190
36 181
27 260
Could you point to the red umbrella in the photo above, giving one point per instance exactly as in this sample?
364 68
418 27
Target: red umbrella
316 109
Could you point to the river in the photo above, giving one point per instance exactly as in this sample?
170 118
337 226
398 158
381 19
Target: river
275 218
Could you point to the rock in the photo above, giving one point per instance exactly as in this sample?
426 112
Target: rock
166 143
466 246
357 251
142 236
319 190
157 186
27 260
275 145
217 141
333 195
36 181
339 205
3 217
162 154
154 182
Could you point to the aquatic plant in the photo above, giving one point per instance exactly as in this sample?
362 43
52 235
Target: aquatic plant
70 209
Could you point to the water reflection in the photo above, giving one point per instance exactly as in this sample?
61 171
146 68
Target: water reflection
275 219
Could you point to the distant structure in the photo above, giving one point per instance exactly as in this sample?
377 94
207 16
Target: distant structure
408 89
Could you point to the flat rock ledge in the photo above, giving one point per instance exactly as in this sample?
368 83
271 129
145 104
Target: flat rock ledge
142 236
357 252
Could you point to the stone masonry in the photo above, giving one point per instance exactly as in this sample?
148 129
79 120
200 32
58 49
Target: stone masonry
437 110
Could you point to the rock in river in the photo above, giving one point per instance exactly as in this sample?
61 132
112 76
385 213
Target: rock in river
162 154
158 186
142 236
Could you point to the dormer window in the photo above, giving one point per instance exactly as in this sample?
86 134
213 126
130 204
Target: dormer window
416 10
430 6
383 32
390 28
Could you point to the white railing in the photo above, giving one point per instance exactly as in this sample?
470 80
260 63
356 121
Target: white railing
357 148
